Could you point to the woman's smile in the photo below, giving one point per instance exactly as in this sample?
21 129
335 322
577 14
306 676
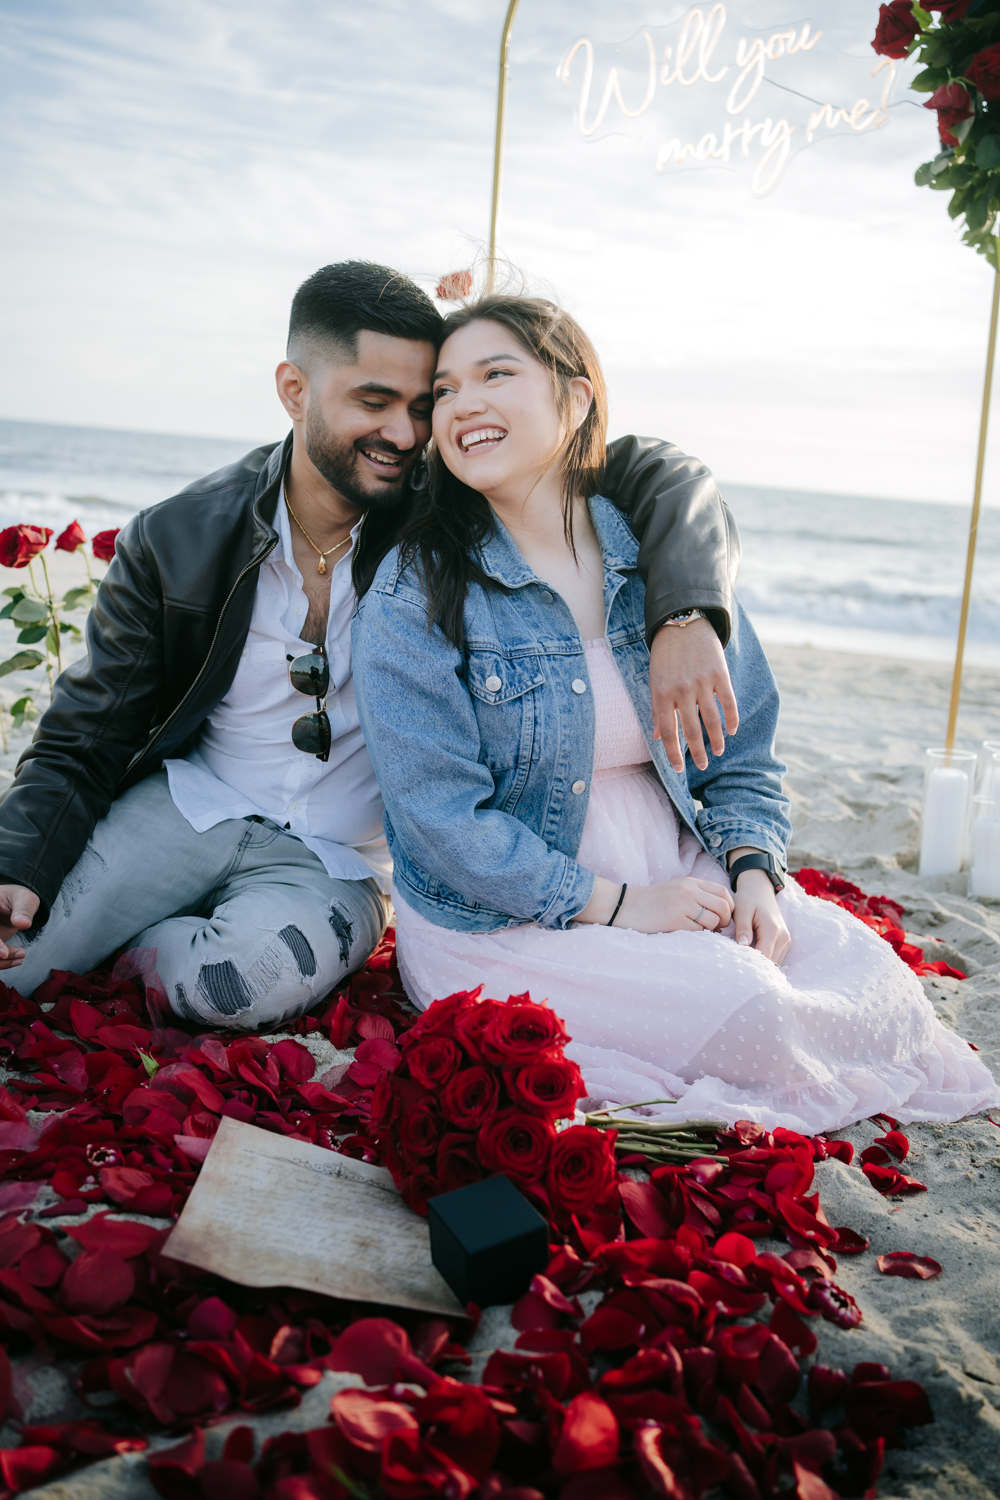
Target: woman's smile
478 439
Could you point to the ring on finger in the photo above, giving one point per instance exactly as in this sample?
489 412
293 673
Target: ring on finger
697 919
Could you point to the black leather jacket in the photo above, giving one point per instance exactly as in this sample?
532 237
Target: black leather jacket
165 634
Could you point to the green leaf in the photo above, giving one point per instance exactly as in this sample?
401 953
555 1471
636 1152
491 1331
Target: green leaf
27 611
988 152
68 629
939 48
32 634
926 20
929 80
75 597
17 592
149 1063
22 661
7 611
52 640
977 211
23 709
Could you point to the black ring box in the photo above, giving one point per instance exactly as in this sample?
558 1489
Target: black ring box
487 1241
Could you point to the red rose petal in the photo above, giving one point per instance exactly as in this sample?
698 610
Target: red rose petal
365 1420
790 1328
810 1484
906 1263
371 1348
16 1239
43 1267
894 1142
890 1182
849 1242
297 1062
124 1236
589 1437
122 1183
97 1282
15 1196
646 1208
212 1319
24 1468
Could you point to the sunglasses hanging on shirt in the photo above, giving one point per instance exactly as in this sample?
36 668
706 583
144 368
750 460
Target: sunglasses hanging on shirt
310 674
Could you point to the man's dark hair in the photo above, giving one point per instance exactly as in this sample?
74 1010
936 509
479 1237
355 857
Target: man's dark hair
337 302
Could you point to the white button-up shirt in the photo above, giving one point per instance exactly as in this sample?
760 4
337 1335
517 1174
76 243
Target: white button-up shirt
245 762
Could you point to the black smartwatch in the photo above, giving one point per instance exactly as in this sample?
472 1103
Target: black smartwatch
758 861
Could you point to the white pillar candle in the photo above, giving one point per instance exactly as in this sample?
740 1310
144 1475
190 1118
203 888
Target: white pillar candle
942 847
986 856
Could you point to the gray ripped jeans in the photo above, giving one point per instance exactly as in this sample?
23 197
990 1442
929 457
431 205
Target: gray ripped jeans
242 923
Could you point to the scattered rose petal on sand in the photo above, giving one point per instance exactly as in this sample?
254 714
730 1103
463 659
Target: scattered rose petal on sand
906 1263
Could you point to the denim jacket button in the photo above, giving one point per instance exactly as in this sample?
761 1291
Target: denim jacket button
715 840
578 787
578 685
545 596
493 684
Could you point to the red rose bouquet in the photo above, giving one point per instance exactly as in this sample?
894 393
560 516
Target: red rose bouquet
479 1089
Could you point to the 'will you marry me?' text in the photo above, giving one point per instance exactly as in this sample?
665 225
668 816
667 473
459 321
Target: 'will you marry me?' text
693 60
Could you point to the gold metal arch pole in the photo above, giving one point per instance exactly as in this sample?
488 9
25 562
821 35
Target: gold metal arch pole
956 681
498 147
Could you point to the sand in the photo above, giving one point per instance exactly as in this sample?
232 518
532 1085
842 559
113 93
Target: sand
853 732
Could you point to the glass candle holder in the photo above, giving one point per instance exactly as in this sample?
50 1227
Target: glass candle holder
948 785
984 877
989 770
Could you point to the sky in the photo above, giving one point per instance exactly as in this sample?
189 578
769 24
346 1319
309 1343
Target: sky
173 169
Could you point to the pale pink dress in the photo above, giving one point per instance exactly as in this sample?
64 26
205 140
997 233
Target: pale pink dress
841 1031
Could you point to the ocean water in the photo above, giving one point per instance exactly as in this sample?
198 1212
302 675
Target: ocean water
834 571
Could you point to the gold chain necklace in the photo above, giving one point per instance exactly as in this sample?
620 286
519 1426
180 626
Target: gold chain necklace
321 565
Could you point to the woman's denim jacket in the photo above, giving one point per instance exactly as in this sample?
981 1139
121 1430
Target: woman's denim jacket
485 755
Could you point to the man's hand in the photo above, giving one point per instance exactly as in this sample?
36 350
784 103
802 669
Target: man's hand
687 672
759 923
17 911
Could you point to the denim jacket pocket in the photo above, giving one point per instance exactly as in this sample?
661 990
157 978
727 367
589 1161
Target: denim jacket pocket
506 703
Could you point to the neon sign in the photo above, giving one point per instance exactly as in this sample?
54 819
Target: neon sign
696 60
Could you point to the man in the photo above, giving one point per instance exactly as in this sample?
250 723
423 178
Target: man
181 795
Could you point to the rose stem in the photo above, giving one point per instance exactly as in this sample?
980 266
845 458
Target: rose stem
48 654
52 610
642 1104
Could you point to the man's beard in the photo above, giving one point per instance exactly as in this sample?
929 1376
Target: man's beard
339 464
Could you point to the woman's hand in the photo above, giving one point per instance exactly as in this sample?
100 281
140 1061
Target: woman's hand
759 923
685 905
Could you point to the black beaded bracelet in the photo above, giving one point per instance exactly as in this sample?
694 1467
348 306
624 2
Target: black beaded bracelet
618 908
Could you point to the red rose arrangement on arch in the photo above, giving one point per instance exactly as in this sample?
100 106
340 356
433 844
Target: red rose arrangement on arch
959 48
481 1086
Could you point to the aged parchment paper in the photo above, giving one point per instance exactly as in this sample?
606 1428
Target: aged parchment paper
269 1211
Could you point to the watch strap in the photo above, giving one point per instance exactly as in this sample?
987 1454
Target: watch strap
759 861
684 617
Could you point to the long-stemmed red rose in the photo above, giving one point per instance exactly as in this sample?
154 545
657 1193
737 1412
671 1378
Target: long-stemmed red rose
19 544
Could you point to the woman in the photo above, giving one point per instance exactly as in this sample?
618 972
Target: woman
542 841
